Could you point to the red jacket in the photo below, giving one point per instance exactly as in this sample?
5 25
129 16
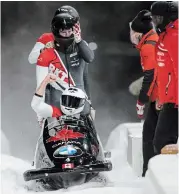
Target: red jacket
148 62
167 64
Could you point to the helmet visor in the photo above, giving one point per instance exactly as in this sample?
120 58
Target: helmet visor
62 23
72 102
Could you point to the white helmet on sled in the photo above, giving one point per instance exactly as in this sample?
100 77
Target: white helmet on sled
72 101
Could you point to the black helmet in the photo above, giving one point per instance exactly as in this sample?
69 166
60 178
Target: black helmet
70 10
62 21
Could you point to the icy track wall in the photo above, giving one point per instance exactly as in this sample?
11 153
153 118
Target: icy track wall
162 174
109 75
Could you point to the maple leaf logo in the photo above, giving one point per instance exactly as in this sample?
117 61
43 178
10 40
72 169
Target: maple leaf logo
65 134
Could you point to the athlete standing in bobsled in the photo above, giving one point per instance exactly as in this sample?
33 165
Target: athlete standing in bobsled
165 17
46 40
144 38
64 53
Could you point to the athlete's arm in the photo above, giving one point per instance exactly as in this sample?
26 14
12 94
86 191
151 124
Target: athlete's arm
39 106
85 52
34 54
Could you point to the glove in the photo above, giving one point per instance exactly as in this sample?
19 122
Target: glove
140 109
77 32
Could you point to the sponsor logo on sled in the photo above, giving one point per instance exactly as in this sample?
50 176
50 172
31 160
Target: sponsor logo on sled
65 134
68 150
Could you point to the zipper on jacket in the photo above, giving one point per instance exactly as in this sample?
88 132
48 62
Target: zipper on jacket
68 67
167 86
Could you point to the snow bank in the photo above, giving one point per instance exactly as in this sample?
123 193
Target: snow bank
120 180
11 174
118 144
130 141
162 175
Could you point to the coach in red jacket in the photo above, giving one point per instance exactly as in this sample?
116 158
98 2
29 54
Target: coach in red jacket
165 18
144 37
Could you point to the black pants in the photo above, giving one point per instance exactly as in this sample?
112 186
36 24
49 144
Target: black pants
167 127
149 128
159 129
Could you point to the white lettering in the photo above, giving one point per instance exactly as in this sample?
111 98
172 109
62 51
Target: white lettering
59 73
160 53
63 9
160 59
68 142
161 64
73 54
75 64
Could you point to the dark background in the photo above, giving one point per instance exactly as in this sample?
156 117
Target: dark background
116 65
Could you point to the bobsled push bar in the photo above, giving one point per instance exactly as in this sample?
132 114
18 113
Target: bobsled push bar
50 172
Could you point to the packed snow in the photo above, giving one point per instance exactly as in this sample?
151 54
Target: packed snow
120 180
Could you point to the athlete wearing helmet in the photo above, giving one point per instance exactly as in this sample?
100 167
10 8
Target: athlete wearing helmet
72 101
46 40
68 9
63 53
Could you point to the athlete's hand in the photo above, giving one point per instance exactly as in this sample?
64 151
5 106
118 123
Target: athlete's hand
50 78
77 32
